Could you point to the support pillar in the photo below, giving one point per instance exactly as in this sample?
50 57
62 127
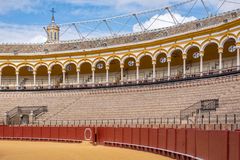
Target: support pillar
6 118
238 57
137 71
184 65
31 117
0 80
34 79
169 67
220 51
49 79
154 70
201 63
93 75
122 67
107 75
78 76
17 79
64 77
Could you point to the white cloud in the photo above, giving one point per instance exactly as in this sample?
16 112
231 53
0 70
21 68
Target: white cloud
21 34
22 5
161 21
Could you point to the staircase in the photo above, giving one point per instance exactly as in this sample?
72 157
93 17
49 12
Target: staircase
199 109
22 115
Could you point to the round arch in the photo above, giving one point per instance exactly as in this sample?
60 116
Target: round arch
158 52
125 57
205 43
225 38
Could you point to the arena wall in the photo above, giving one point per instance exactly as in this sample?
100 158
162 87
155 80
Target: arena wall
176 143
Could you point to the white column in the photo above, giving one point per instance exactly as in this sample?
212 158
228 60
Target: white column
0 79
238 57
154 70
34 79
107 75
184 65
49 79
201 63
17 79
137 71
169 67
93 75
78 75
64 77
122 67
220 51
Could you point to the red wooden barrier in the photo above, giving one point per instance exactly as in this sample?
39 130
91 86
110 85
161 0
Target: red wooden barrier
191 142
118 135
63 132
234 146
153 137
101 134
110 134
8 131
162 138
37 132
46 132
171 139
1 131
27 132
181 141
54 132
80 133
136 135
144 136
127 135
202 140
218 145
71 132
18 131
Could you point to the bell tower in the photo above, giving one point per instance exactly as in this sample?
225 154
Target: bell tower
53 30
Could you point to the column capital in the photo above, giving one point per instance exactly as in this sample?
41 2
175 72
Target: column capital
201 53
49 71
137 64
220 49
93 69
169 59
34 72
17 72
64 70
78 69
107 66
184 56
121 65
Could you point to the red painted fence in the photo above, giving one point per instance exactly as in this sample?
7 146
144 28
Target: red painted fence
209 145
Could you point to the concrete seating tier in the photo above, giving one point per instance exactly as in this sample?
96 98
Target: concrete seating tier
149 101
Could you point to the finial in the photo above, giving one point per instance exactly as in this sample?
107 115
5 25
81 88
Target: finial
53 12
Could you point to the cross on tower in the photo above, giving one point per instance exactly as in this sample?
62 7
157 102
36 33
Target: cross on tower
53 12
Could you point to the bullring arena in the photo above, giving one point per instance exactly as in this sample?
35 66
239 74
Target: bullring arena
163 94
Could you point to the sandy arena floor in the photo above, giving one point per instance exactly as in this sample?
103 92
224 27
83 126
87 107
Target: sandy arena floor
21 150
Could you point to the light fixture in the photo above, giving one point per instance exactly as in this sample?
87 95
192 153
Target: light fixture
196 55
232 48
163 60
131 63
100 66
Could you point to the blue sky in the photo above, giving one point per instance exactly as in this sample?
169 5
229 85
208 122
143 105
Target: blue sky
22 20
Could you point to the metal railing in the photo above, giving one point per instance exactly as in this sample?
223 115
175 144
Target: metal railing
207 118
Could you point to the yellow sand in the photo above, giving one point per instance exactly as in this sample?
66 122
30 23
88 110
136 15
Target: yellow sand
21 150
